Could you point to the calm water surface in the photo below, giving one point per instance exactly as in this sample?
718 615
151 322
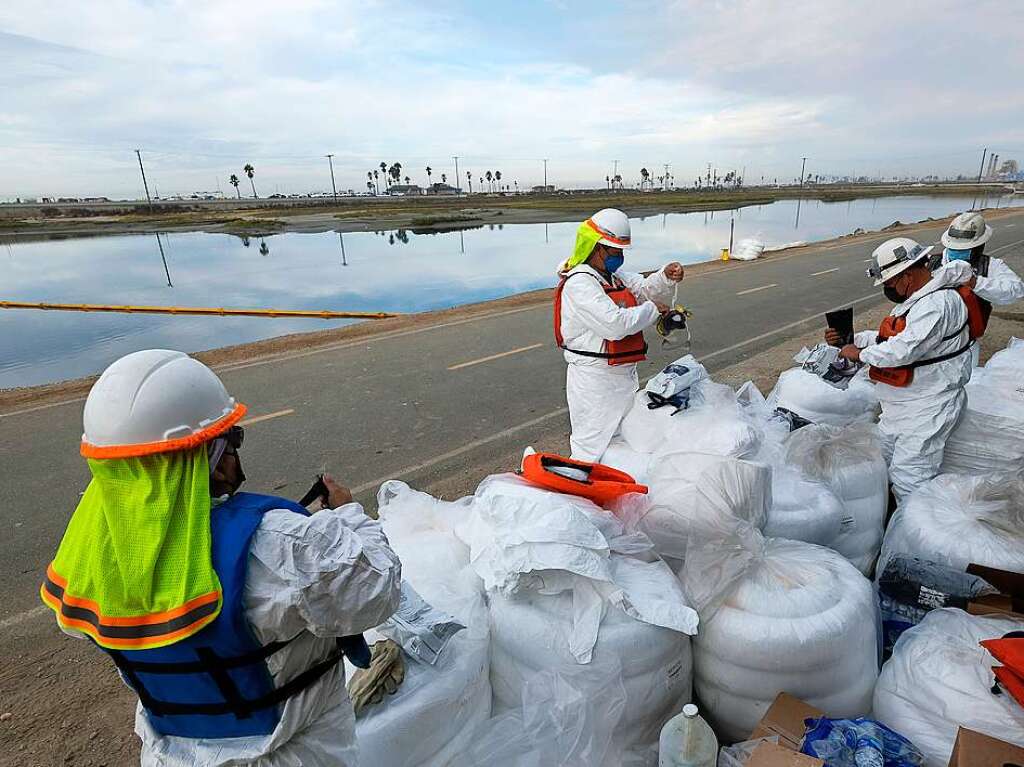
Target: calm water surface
391 271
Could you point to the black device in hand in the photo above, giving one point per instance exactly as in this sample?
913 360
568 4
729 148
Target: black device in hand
841 321
318 490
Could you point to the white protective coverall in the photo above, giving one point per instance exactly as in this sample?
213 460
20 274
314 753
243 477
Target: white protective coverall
599 394
328 575
1000 287
917 419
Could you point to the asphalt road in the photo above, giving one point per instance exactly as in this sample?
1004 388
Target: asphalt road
419 404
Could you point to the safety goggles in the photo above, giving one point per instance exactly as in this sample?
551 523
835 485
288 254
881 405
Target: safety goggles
235 436
901 255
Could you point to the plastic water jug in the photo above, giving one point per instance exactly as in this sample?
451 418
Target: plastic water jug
687 741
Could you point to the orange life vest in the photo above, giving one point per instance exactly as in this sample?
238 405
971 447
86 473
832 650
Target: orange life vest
622 352
978 311
602 485
1009 651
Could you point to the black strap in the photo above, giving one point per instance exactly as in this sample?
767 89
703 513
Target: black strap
203 664
607 355
941 358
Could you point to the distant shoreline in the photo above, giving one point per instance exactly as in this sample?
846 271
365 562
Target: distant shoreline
426 214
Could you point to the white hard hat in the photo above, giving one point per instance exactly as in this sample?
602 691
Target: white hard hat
613 226
155 401
895 256
966 231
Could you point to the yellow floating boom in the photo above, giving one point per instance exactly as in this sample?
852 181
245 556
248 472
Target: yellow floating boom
199 310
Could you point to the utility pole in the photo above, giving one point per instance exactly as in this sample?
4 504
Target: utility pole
545 161
802 166
138 153
330 161
615 171
664 186
456 158
981 169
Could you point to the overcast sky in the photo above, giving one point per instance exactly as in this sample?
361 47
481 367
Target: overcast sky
204 87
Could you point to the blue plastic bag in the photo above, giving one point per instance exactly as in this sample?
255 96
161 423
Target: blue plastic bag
858 743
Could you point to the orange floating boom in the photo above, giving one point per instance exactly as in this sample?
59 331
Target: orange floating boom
198 310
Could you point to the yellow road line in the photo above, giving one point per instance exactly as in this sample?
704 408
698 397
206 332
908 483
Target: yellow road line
495 356
826 271
754 290
267 417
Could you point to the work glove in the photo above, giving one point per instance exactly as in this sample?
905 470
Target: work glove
384 676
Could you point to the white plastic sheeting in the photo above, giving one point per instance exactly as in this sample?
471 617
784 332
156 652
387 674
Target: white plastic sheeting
1010 358
432 717
956 520
803 509
849 460
747 249
807 395
572 593
779 615
697 495
621 456
939 678
987 438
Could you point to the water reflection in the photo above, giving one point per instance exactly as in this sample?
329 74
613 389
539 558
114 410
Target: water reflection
399 270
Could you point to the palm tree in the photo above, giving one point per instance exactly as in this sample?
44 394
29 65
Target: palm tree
429 171
469 178
644 177
444 178
383 172
250 172
407 181
369 180
489 176
617 180
235 182
497 178
607 182
376 186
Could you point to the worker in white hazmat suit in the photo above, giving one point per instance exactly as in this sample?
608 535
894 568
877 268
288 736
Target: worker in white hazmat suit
601 311
228 613
920 358
993 280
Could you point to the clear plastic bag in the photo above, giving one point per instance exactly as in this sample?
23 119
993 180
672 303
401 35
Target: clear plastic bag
987 439
859 742
808 395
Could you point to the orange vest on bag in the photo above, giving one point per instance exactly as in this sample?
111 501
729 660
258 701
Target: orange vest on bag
622 352
602 485
978 311
1010 652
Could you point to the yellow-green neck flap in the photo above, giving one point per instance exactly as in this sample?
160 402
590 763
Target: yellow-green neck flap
134 568
586 239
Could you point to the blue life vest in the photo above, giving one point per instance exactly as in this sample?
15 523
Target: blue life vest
215 683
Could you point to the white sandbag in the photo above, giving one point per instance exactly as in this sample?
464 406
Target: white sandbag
987 438
747 249
430 720
643 429
779 615
1010 358
720 426
697 495
807 395
621 456
532 632
803 509
939 679
956 520
849 460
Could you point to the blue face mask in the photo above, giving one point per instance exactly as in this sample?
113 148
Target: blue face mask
612 263
958 255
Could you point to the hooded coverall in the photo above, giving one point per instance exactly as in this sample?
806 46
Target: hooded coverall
917 419
599 394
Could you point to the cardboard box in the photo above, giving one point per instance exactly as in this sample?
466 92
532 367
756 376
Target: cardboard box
771 755
785 718
1010 600
972 749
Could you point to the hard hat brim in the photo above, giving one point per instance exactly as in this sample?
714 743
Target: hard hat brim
954 244
901 267
193 440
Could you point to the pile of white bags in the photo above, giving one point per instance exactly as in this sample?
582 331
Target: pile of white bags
432 717
697 495
849 460
987 438
1010 358
747 249
572 592
808 395
779 615
956 520
939 678
621 456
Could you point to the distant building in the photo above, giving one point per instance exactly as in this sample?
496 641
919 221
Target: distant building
405 190
68 199
95 199
542 189
441 189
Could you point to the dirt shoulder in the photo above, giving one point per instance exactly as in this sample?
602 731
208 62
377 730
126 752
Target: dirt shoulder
418 214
